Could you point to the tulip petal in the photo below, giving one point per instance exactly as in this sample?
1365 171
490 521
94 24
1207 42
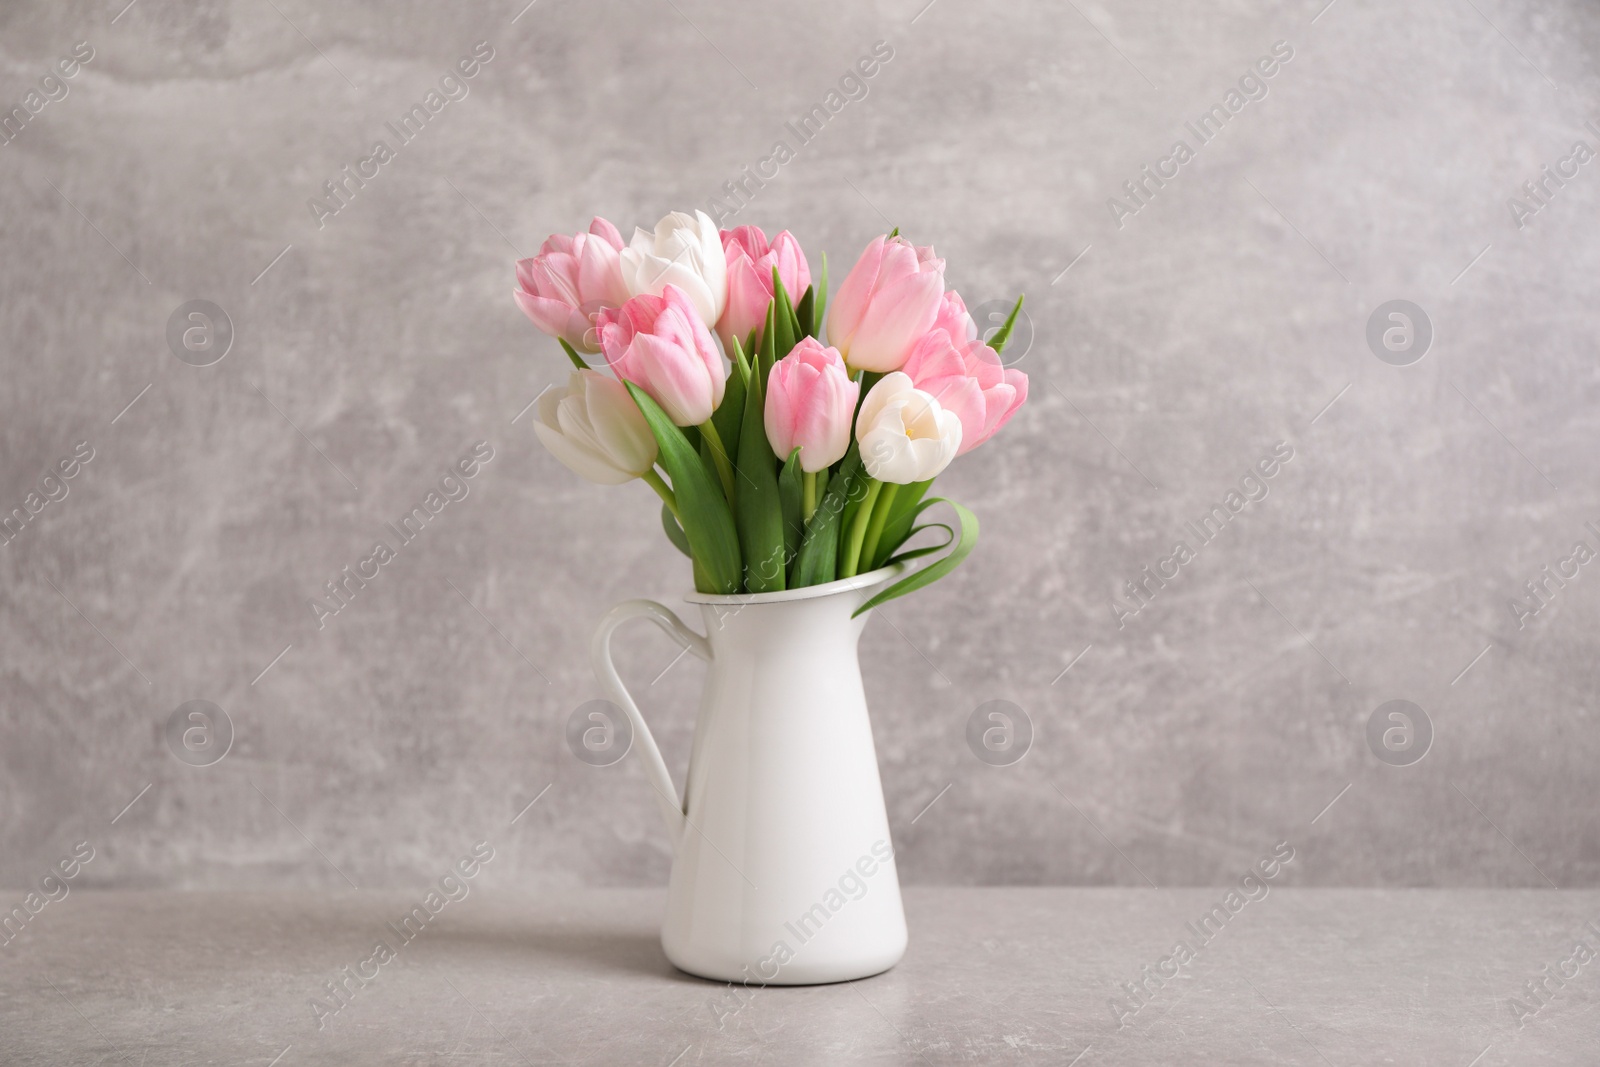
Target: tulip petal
556 242
586 462
792 265
934 357
905 435
580 272
850 302
555 318
679 385
749 293
600 276
983 364
618 424
962 397
954 319
897 317
606 232
1017 382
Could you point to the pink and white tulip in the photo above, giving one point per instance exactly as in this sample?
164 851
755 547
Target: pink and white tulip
683 250
593 427
905 434
889 299
660 344
968 379
750 262
810 400
570 281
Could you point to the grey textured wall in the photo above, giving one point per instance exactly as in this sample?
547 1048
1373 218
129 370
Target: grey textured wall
1172 349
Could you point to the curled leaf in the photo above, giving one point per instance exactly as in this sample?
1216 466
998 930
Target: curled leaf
936 570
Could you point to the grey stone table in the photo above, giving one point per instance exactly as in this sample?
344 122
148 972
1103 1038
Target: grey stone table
1330 977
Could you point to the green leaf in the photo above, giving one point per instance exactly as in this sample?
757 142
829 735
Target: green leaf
790 491
577 360
915 553
793 311
805 313
936 570
818 561
894 232
729 415
1003 334
675 532
821 321
766 357
759 510
710 463
897 529
707 521
783 319
741 366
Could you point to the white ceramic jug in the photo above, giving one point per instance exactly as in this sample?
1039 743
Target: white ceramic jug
783 870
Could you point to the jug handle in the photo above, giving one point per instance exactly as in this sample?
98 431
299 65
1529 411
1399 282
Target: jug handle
655 768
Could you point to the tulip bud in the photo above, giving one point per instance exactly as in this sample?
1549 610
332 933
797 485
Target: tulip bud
570 281
810 399
594 427
889 299
660 344
905 435
685 251
967 378
750 263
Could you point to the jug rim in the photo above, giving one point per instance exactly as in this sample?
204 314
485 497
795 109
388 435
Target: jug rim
781 596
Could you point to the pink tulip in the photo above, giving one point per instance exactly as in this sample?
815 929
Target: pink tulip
890 298
570 281
966 377
810 402
953 318
660 344
750 263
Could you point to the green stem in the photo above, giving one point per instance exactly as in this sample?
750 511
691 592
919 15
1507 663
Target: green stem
808 495
858 529
880 516
719 455
653 480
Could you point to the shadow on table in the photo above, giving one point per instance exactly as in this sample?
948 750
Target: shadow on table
569 951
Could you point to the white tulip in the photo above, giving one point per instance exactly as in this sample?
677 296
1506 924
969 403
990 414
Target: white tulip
686 251
905 435
594 427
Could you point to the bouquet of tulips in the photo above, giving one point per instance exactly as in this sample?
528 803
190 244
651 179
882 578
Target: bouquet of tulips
720 378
